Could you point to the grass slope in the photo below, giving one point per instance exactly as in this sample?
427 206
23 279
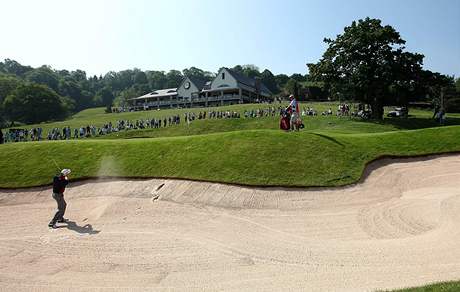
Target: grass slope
97 117
437 287
255 157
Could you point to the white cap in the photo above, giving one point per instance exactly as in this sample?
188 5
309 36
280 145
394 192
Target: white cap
65 172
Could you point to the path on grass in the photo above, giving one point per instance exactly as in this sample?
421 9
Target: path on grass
400 227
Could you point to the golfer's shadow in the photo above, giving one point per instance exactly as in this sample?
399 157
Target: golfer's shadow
85 229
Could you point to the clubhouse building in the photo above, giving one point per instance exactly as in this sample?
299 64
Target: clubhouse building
228 87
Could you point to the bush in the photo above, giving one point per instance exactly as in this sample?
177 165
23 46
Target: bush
34 103
453 105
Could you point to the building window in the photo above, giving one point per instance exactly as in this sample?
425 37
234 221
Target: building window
223 75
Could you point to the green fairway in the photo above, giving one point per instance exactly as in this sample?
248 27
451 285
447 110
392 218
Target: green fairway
330 124
97 117
254 157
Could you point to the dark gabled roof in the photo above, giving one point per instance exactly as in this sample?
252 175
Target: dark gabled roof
207 86
242 78
199 83
265 89
251 82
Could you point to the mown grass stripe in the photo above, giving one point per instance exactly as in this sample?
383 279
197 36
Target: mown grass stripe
255 157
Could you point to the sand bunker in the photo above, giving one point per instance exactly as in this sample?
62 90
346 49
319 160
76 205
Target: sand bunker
400 227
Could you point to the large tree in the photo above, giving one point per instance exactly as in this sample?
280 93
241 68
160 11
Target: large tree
269 80
104 97
174 78
8 83
13 67
157 79
281 80
140 77
44 75
366 62
251 70
198 74
34 103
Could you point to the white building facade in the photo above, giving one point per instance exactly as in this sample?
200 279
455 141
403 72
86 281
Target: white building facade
228 87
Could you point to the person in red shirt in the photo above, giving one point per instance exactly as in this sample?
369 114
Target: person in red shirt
59 184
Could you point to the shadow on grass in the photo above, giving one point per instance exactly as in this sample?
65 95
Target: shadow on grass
85 229
328 138
413 123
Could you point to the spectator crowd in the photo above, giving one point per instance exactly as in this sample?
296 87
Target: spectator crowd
66 133
88 131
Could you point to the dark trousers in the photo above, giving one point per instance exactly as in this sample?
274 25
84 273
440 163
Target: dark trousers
61 204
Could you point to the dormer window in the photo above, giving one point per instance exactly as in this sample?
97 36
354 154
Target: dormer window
223 75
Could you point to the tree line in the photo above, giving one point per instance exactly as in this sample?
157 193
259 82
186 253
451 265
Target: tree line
367 63
33 95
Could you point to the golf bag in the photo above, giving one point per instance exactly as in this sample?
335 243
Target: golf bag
285 121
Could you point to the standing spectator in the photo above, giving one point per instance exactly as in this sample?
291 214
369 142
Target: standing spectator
442 116
1 136
293 110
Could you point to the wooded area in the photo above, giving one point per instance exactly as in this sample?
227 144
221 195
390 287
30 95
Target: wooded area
367 63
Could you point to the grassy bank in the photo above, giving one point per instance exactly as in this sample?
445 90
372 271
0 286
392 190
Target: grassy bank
255 157
97 117
330 124
438 287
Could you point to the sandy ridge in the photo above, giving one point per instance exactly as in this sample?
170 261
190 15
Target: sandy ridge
397 227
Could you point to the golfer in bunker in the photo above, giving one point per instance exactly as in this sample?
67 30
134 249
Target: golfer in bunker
60 181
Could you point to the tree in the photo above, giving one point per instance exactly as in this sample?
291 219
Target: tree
122 99
269 80
13 67
34 103
295 88
298 77
141 89
237 69
78 75
365 62
174 78
314 90
95 83
104 97
8 84
140 78
157 79
81 99
197 73
44 75
281 80
251 71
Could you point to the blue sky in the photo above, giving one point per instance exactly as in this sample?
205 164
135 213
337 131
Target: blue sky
98 36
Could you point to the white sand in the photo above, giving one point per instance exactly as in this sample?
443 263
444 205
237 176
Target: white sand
400 227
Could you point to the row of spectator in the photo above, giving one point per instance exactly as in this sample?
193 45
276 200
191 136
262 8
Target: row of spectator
66 133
